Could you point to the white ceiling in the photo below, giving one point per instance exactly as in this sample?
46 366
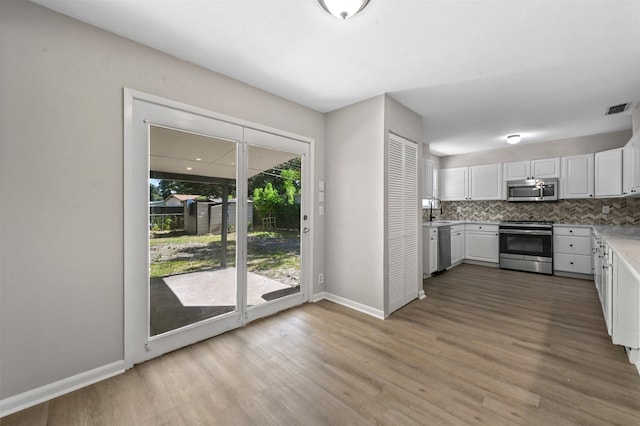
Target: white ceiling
476 70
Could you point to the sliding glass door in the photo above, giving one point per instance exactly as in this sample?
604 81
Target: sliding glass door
222 233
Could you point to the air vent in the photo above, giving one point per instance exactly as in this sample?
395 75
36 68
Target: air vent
616 109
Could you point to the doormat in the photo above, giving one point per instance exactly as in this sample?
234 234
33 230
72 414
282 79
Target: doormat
281 293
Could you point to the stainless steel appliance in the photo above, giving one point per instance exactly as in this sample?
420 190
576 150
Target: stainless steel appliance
444 247
532 190
527 246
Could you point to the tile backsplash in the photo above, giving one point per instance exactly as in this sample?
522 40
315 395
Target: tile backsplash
622 211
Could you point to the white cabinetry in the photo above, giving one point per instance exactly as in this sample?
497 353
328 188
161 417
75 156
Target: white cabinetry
603 278
471 183
485 182
577 177
631 167
454 184
427 179
545 168
572 249
608 172
482 243
457 244
625 304
538 169
429 250
402 189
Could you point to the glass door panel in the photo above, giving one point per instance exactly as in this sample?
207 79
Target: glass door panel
273 243
192 221
279 233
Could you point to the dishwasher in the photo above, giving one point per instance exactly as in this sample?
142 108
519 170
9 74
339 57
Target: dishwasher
444 247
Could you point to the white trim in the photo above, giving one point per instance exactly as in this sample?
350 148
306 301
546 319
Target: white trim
421 295
132 258
316 297
634 357
354 305
146 97
52 390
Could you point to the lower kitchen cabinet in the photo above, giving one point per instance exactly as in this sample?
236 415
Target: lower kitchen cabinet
482 243
572 249
457 244
429 250
626 304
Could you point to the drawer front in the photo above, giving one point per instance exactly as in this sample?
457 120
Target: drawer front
457 228
572 245
576 263
481 227
576 231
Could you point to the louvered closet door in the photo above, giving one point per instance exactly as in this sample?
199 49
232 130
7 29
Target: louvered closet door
403 222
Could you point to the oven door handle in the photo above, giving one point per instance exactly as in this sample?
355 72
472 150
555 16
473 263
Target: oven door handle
525 231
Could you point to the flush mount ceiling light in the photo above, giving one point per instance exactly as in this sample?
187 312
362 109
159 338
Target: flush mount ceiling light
513 139
343 9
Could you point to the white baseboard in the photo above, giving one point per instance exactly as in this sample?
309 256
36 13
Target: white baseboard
45 393
421 295
354 305
634 357
317 297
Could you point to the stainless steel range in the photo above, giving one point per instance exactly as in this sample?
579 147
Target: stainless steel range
527 246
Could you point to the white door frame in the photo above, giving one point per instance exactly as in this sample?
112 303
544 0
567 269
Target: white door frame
136 256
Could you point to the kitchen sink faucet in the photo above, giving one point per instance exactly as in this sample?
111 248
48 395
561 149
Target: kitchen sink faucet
433 200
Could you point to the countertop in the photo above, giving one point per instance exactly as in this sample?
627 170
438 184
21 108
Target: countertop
624 240
437 223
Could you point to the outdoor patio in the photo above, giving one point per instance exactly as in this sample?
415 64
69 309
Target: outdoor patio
180 300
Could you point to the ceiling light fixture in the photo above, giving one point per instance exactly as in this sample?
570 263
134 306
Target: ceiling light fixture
343 9
513 139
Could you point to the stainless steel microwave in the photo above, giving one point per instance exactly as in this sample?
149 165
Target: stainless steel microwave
532 190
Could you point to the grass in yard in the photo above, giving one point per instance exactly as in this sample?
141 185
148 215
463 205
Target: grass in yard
185 239
174 267
180 254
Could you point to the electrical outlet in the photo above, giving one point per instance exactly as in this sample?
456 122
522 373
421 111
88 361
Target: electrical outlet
605 209
320 278
459 209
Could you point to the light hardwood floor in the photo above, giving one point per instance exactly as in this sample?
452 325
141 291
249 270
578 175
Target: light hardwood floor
487 346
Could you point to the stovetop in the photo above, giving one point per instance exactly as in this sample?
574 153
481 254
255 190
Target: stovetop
526 223
536 222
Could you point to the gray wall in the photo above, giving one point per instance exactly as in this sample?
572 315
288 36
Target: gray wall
356 226
61 311
558 148
402 121
354 202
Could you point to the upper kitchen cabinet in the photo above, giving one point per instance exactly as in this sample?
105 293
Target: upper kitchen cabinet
545 168
534 169
577 176
454 184
485 182
471 183
631 167
608 169
427 179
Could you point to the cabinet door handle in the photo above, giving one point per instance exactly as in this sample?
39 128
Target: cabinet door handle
571 263
571 231
570 245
